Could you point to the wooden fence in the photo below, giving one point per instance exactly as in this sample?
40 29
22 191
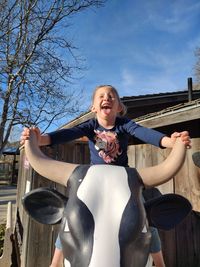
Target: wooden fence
34 242
181 245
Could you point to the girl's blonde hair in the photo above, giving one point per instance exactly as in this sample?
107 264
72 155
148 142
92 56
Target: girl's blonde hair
123 107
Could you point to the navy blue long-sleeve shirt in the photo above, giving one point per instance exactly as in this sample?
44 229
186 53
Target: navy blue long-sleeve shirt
108 145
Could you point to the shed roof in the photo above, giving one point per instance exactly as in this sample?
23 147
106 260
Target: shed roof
173 113
11 151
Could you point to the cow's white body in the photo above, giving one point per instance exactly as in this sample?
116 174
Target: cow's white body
106 194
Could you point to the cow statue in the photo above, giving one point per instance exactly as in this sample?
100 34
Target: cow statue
104 219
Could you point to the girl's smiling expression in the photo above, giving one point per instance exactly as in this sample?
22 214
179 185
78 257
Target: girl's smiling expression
106 105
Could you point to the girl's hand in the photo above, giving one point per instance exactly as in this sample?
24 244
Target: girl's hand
26 134
184 137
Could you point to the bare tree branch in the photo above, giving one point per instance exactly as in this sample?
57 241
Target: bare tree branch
35 80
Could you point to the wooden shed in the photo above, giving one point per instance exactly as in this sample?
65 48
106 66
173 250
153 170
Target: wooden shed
181 245
34 243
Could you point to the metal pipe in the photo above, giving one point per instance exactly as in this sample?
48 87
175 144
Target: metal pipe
190 94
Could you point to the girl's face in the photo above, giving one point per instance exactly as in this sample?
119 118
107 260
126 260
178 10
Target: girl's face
106 103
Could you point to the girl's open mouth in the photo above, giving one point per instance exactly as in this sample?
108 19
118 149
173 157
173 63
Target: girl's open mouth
106 109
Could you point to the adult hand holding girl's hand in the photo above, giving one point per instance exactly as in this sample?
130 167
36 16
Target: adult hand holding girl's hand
185 138
26 134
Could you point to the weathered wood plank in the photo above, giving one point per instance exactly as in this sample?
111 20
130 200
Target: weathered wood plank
168 241
173 117
188 236
187 182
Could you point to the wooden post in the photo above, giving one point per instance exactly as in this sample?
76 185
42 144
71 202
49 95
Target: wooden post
5 259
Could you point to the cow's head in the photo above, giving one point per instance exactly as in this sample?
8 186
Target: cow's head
104 220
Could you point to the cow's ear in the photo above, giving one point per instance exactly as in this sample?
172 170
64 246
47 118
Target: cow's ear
196 158
45 205
166 211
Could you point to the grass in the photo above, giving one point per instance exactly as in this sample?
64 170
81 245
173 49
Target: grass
2 235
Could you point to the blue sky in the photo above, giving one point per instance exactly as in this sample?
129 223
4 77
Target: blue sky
139 46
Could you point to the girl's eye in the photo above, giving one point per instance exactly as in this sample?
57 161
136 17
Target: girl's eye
109 96
112 97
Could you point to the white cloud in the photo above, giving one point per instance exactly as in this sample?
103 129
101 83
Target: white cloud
174 17
127 78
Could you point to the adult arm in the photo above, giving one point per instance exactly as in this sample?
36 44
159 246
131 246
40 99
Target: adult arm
163 172
54 170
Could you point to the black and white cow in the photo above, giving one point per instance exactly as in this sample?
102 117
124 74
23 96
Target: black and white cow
104 220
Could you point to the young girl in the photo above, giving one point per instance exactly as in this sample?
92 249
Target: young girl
108 135
108 132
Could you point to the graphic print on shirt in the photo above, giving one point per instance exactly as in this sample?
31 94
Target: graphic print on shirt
108 145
